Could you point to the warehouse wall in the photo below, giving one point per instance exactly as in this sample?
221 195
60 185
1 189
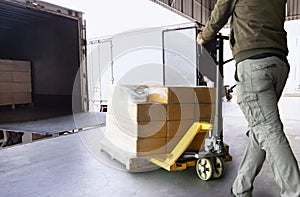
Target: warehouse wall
293 10
200 10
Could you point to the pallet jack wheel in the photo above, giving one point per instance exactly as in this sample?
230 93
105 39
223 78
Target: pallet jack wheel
219 167
204 168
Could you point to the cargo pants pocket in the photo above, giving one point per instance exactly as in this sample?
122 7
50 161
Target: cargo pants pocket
250 107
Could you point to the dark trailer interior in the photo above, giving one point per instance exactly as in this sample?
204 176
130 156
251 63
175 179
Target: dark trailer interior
51 42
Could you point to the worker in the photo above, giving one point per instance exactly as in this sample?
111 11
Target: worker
259 46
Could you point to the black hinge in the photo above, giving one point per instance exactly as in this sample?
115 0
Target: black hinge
84 42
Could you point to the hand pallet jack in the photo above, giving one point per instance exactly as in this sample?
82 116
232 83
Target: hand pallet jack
209 162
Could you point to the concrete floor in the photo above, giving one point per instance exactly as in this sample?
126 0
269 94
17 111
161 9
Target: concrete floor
73 166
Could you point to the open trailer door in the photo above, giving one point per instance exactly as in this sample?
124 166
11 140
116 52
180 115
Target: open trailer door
49 94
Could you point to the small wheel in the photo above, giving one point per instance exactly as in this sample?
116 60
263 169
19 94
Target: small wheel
219 167
228 96
204 168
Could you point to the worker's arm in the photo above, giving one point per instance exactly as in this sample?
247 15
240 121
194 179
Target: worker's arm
219 17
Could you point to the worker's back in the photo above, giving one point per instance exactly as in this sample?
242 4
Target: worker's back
257 26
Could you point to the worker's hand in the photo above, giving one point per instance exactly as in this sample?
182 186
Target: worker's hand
200 39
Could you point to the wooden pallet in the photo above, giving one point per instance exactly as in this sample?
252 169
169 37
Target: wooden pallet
13 106
131 162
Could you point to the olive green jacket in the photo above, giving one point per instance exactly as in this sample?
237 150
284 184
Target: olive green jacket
256 26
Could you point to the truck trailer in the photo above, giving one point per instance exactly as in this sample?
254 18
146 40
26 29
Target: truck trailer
50 39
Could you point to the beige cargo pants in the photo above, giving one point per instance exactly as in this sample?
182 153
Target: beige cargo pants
259 87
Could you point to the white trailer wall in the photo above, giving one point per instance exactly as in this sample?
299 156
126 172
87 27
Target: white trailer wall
156 56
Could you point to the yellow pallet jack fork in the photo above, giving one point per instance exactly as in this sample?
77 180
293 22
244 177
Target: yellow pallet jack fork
168 162
208 165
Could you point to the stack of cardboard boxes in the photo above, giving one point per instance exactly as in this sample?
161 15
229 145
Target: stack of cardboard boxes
153 120
15 82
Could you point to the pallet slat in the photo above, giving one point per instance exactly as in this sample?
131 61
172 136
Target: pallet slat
131 162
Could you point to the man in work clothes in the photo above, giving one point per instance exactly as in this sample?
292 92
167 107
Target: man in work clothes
259 46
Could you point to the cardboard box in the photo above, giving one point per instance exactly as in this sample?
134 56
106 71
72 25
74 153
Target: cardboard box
6 98
205 95
204 111
22 87
180 111
15 98
139 112
15 82
133 145
178 128
6 76
15 65
171 95
21 77
140 130
22 98
6 87
151 146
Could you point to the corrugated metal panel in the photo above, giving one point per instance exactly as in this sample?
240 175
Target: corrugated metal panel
188 8
293 10
12 15
17 13
178 5
200 10
177 10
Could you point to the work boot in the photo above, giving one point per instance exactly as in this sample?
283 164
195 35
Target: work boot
232 194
